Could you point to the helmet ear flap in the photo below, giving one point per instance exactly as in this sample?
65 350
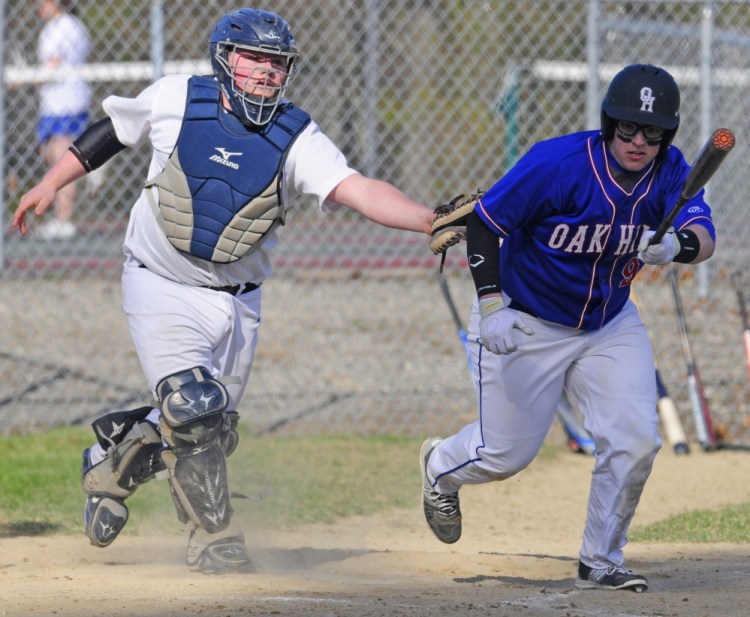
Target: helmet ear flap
608 126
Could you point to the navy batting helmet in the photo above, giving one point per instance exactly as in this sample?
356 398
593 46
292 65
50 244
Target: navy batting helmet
261 32
644 94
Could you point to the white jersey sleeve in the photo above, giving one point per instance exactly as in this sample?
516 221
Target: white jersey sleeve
155 113
315 166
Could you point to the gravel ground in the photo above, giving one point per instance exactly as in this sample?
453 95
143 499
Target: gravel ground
339 351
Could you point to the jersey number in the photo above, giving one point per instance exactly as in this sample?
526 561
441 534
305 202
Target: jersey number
629 272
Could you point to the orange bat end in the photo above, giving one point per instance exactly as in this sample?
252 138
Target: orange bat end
723 139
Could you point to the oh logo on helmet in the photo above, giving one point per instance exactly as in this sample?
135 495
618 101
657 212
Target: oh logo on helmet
647 99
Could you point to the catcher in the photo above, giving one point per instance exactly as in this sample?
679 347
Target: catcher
197 251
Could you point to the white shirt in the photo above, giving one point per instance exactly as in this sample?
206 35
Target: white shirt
314 166
64 39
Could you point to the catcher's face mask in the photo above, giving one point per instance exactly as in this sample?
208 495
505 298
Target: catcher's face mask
253 96
257 79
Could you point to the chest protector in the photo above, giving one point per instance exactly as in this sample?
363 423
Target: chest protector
219 192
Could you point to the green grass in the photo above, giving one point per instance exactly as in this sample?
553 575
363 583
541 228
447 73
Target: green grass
40 481
291 481
730 524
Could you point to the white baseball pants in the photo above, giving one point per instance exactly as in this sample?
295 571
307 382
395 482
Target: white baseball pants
610 375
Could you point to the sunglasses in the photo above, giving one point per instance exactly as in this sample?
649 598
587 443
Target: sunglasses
630 130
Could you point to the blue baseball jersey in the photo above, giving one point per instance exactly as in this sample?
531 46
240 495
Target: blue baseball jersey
571 231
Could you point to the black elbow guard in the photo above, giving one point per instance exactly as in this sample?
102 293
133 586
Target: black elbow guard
690 246
97 144
483 252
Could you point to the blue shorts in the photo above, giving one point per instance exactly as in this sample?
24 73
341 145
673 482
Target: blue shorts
50 126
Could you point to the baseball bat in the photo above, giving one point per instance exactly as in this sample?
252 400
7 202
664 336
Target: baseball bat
701 412
443 282
667 410
706 163
578 438
670 419
737 280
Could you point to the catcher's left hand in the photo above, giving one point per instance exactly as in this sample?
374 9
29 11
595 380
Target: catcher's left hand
449 226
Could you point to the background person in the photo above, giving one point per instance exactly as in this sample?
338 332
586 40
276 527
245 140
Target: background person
64 102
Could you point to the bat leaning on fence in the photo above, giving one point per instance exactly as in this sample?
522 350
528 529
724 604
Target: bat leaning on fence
737 282
701 412
578 438
670 419
667 410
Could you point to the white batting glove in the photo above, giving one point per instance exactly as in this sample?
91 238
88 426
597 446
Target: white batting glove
658 254
497 326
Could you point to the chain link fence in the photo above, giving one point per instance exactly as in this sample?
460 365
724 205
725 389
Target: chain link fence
437 97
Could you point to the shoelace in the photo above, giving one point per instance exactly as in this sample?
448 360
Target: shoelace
447 505
599 574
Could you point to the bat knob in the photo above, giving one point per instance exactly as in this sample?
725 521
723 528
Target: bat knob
681 448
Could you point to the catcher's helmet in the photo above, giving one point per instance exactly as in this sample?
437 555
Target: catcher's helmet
254 30
644 94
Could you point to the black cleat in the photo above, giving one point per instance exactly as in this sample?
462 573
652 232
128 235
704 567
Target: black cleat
610 579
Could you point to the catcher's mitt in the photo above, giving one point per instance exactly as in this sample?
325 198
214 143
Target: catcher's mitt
449 226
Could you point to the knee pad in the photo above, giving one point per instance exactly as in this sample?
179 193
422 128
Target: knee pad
132 459
192 405
110 429
189 395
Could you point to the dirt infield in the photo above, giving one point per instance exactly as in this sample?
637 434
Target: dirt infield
517 557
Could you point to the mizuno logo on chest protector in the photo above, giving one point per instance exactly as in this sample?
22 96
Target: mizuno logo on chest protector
224 158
